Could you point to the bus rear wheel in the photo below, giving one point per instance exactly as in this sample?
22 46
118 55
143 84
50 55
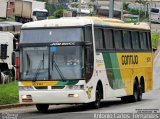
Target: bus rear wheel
137 92
140 93
42 107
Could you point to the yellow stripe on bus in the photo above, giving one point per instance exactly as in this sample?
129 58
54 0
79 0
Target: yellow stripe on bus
39 83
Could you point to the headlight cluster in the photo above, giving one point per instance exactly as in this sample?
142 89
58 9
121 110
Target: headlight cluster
25 88
75 87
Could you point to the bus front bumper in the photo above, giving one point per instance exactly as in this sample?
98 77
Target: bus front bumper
53 97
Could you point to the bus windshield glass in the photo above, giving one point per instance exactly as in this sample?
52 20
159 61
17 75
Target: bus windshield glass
35 63
51 35
52 63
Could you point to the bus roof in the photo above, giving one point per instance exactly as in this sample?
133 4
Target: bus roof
81 21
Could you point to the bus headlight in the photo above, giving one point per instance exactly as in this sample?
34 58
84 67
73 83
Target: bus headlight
75 87
25 88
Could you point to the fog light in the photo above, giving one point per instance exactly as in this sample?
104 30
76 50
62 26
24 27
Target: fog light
26 98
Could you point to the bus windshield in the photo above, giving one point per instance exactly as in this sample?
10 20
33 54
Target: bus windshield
51 35
52 63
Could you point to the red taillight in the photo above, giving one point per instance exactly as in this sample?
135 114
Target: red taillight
17 68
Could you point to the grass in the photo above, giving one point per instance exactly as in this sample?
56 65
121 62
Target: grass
9 19
9 93
155 40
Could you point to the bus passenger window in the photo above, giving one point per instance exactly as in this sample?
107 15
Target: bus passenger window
108 38
135 40
127 39
143 40
99 42
149 40
118 39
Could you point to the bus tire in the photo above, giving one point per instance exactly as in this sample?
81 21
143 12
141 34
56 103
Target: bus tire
140 93
96 104
42 107
136 91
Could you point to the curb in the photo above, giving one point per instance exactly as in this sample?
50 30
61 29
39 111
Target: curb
13 106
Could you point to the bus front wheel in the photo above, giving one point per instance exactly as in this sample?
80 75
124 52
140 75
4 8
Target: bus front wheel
97 102
42 107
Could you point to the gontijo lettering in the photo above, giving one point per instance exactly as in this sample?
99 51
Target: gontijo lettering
129 59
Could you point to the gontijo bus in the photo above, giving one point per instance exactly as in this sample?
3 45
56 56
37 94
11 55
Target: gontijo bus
83 60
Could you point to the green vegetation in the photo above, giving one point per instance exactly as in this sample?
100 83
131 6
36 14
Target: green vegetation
58 13
9 93
141 1
155 40
143 15
53 9
8 19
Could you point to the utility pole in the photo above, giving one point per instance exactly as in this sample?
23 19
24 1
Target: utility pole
122 10
111 8
150 12
79 8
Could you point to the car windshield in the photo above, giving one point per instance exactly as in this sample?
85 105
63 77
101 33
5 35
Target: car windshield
154 10
51 35
41 15
52 63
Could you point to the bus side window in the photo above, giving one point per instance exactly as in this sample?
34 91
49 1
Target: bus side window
108 38
143 40
89 59
135 40
149 40
99 42
118 39
127 39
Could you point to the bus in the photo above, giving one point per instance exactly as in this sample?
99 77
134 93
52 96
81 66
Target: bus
155 15
83 60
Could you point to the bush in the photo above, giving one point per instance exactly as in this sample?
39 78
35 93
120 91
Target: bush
141 13
155 39
9 93
58 13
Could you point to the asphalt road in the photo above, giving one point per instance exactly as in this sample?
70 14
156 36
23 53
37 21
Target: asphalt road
150 103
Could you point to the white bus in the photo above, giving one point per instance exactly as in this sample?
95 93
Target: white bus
155 15
83 60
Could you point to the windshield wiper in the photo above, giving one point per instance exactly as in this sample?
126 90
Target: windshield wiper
38 69
58 70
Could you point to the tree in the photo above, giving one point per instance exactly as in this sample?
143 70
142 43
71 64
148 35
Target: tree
58 13
141 1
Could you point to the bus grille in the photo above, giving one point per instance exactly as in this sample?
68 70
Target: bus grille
57 87
41 87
